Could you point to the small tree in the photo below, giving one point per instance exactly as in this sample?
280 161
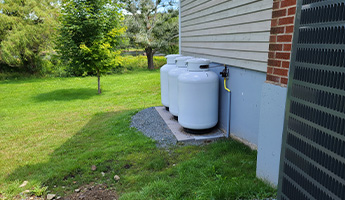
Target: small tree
151 25
90 33
26 30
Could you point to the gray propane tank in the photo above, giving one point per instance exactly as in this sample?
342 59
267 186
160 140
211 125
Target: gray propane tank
180 68
198 96
164 78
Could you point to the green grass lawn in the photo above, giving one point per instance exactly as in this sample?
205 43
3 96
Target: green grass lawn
53 130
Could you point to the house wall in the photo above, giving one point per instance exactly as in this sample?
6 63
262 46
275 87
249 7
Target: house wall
271 123
231 32
282 25
246 86
274 91
255 41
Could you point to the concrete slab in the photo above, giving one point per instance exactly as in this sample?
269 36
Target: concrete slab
179 132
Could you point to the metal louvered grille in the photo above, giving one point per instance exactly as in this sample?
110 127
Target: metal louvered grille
313 151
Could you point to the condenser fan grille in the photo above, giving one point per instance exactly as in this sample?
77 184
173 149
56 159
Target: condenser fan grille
313 150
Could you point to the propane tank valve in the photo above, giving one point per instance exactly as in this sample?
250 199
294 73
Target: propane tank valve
225 72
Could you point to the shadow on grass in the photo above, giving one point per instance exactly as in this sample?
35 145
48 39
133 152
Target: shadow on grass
222 170
67 94
24 79
105 141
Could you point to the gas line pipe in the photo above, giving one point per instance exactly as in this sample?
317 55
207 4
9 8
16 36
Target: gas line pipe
225 75
227 89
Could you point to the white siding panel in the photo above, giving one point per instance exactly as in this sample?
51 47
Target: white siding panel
237 37
186 2
229 14
247 64
240 55
228 7
234 46
200 5
242 28
232 32
264 15
190 4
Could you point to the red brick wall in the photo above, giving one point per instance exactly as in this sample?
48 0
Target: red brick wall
282 25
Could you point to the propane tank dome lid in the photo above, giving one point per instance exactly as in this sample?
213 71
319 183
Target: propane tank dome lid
197 63
171 58
181 61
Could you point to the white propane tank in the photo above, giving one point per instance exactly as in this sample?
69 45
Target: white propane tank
173 89
164 78
198 96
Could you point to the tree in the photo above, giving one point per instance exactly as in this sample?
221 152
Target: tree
173 45
90 32
26 30
151 24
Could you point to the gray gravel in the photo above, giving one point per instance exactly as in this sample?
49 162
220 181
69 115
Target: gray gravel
151 124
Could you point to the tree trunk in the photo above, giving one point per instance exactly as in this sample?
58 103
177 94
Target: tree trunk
149 55
99 82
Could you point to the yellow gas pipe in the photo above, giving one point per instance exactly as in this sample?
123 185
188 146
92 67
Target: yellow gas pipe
227 89
225 74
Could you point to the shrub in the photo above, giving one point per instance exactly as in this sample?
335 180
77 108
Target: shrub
132 63
52 66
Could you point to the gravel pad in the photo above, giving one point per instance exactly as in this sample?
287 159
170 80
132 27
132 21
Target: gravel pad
151 124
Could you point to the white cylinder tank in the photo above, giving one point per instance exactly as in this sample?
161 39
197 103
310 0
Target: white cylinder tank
198 96
164 78
173 89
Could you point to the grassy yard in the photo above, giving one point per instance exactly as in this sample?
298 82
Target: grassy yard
53 130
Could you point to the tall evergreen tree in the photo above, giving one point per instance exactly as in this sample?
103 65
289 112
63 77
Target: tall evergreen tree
152 25
90 34
27 28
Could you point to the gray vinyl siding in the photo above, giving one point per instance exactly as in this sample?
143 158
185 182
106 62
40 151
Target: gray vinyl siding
234 32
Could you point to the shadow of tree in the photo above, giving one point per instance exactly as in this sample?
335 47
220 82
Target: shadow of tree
105 141
67 94
108 142
22 80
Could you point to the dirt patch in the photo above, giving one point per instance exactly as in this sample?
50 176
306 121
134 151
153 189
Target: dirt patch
91 192
25 197
127 166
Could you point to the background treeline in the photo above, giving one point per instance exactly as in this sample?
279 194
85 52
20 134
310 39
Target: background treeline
36 36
